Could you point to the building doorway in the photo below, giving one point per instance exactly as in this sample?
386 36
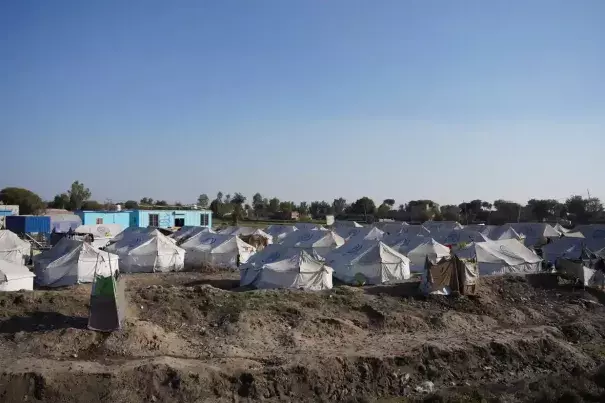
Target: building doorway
179 222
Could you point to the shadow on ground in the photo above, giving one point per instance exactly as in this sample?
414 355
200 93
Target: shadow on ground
42 321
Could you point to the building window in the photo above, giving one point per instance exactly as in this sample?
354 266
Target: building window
204 220
99 221
154 220
179 222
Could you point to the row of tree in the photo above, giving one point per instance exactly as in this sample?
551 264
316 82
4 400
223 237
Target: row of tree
576 209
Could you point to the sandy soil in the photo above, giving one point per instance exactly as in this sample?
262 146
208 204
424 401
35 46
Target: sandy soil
197 337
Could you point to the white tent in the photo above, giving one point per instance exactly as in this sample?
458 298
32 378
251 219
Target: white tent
393 227
507 256
461 236
12 248
102 233
365 233
536 234
281 267
187 231
15 277
135 232
72 262
570 248
376 262
413 230
279 232
422 247
482 228
442 226
591 231
560 228
570 234
508 233
216 250
318 243
147 253
308 226
261 233
237 230
346 224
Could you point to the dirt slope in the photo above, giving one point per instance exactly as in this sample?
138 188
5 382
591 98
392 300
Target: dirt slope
195 337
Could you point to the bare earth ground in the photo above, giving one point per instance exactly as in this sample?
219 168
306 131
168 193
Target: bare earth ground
196 337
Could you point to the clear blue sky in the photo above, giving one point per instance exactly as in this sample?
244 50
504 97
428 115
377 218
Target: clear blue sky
304 100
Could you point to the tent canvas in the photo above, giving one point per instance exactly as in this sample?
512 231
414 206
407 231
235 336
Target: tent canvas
359 234
133 232
283 267
560 228
462 236
536 234
102 233
279 232
315 242
506 256
73 262
15 277
373 260
237 230
12 248
570 248
591 231
508 233
421 248
187 231
216 250
441 226
148 253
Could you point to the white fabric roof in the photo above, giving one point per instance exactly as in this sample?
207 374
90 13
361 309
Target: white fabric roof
308 226
133 232
318 242
282 267
484 229
279 231
13 271
461 236
373 259
508 233
71 261
441 226
534 233
9 241
188 231
507 251
422 247
560 228
237 230
100 230
591 231
357 233
148 253
12 248
216 249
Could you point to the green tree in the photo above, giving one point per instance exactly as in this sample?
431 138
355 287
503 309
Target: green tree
543 208
383 210
78 194
506 211
274 205
339 205
219 196
131 205
161 203
92 205
147 201
202 200
303 208
258 204
237 201
389 202
60 201
582 210
365 206
28 201
227 198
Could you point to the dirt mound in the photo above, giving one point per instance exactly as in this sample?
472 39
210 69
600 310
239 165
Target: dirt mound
186 339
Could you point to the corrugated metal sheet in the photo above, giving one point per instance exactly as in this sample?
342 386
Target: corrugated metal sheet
6 212
28 224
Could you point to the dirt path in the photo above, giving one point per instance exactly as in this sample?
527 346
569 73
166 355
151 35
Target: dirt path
187 340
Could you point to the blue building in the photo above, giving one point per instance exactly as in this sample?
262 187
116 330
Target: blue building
149 218
105 217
